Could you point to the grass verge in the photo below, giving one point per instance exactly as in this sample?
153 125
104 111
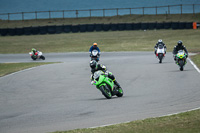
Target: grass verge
187 122
8 68
196 59
107 41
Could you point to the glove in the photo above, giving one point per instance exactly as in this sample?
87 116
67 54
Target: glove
186 55
92 82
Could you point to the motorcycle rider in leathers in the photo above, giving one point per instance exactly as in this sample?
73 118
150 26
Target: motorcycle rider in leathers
156 46
178 47
95 67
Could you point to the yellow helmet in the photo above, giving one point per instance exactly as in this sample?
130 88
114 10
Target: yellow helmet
95 44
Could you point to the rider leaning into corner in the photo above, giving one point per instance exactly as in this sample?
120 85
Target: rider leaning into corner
94 47
178 47
95 67
33 50
160 42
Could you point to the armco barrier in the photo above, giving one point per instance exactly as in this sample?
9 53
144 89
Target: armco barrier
94 27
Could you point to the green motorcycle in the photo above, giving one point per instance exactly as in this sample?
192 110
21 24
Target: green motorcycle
106 85
181 59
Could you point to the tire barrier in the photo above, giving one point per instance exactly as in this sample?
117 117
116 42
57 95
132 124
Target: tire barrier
152 26
113 27
83 28
51 29
129 26
144 26
98 27
121 27
160 26
90 27
43 30
27 31
67 28
167 25
35 30
136 26
57 29
106 27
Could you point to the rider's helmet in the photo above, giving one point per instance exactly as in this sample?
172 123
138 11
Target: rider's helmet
180 43
160 40
33 50
93 64
95 44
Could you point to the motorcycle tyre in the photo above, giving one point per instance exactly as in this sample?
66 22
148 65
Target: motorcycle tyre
105 88
42 57
120 94
33 58
160 57
181 64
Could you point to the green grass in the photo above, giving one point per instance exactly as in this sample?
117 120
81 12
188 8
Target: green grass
107 41
196 59
8 68
188 122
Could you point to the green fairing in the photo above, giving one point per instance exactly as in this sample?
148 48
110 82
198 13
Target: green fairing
103 80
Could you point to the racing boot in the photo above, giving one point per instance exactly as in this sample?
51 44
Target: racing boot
117 84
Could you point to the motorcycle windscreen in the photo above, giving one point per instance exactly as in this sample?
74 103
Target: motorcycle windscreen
97 74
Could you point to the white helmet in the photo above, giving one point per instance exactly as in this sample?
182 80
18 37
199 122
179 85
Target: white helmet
160 40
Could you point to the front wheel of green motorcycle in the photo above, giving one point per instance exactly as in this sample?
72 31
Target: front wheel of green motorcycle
106 91
120 92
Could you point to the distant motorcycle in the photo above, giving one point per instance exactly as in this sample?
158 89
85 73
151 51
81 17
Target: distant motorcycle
181 59
95 55
37 55
106 85
160 54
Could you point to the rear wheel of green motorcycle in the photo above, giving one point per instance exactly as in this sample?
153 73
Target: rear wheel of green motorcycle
106 91
120 92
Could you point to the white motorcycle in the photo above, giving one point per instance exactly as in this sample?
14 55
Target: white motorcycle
95 54
160 53
37 55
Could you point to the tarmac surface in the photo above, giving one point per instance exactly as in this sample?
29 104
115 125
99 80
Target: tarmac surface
59 97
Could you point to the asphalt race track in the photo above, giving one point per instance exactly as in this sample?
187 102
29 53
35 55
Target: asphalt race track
60 97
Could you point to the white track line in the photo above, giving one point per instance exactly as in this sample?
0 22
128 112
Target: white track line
194 65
